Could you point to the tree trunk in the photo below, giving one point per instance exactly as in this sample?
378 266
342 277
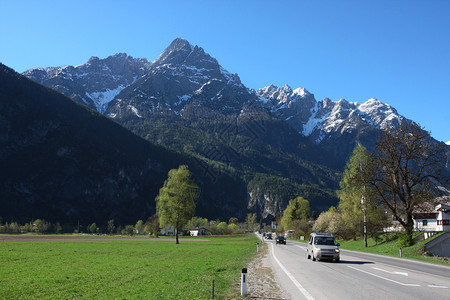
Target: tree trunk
176 235
409 228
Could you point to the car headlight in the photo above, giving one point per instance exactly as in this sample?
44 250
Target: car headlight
337 250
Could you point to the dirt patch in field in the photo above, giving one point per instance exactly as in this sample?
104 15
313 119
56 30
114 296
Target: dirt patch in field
64 237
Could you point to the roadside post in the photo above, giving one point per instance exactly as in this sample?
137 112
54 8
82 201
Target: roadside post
244 282
257 247
401 252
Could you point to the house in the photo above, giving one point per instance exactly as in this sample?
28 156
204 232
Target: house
198 231
437 219
273 223
443 218
169 230
289 234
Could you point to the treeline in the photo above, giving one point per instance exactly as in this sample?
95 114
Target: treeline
149 227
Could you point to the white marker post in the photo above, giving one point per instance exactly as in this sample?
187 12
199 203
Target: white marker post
244 282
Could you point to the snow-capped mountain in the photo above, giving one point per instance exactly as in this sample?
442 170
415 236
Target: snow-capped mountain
185 80
320 119
186 100
181 75
94 83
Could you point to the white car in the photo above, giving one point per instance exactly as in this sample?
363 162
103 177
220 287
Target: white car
323 246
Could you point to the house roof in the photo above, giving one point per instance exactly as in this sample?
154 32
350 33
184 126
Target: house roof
198 228
443 208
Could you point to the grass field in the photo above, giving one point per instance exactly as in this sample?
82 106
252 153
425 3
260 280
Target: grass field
123 269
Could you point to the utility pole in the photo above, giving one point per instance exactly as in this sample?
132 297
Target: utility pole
363 203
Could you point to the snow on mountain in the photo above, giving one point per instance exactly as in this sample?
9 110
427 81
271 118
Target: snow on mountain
282 97
320 119
122 87
181 75
94 83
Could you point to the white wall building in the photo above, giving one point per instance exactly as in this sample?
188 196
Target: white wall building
437 220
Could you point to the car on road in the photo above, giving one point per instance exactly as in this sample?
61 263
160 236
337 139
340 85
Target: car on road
269 236
323 246
280 240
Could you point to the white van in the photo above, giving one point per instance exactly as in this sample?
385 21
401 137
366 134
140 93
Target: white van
323 246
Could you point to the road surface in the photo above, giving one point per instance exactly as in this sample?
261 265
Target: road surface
357 276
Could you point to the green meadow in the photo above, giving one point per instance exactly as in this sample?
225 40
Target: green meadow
124 269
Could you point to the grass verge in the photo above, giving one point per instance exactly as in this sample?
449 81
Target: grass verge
153 269
391 248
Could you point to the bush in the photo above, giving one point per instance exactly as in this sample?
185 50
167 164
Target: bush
129 230
405 240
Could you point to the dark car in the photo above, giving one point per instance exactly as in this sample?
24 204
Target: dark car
269 236
280 240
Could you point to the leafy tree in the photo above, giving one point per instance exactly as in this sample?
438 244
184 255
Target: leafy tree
175 203
297 209
40 226
330 222
139 227
128 230
197 222
223 228
111 226
233 227
152 225
250 220
355 200
58 228
355 204
301 228
405 170
233 220
93 228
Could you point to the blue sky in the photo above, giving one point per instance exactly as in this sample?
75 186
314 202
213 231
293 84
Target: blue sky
395 51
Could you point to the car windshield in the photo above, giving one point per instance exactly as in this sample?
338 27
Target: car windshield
324 241
280 237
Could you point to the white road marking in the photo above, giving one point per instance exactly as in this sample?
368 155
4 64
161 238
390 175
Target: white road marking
394 281
438 286
292 278
303 248
390 272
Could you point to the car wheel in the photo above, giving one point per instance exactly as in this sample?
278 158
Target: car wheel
336 260
307 255
313 258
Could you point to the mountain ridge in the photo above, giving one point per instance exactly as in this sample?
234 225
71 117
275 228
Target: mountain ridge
64 162
195 71
187 101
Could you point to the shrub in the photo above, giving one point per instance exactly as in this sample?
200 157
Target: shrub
405 240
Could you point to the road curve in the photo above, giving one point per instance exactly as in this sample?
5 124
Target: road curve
357 276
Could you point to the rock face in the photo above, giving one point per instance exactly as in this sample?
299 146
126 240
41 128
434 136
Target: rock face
94 83
182 75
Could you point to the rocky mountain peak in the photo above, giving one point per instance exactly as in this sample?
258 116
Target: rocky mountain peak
93 59
180 53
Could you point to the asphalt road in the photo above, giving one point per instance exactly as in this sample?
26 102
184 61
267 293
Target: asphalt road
357 276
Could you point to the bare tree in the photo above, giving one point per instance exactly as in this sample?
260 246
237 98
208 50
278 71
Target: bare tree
405 171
